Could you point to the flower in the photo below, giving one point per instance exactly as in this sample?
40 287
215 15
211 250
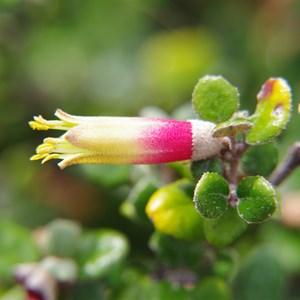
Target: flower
125 140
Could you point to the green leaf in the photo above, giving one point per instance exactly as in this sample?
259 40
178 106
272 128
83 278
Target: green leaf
99 252
199 167
174 252
134 206
231 128
225 263
260 276
172 288
61 237
213 289
260 159
285 243
215 99
272 111
172 211
62 269
211 195
91 291
166 290
224 230
257 199
16 247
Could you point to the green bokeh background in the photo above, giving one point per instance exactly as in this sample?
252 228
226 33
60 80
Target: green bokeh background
115 57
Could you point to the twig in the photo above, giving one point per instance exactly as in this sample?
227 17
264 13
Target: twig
289 164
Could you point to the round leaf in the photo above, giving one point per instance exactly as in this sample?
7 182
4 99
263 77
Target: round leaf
199 167
257 199
213 288
172 211
187 254
62 269
260 159
224 230
99 251
231 128
90 291
261 276
211 195
272 111
61 237
215 99
226 261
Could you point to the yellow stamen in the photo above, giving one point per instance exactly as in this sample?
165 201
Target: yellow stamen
51 156
38 156
40 123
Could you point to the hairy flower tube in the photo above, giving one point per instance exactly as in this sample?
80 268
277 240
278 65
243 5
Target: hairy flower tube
125 140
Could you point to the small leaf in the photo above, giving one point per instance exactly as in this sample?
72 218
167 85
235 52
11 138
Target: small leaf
211 195
231 128
99 251
285 244
261 276
272 111
213 288
172 211
62 269
224 230
215 99
199 167
90 291
134 206
257 199
226 260
61 237
174 252
260 159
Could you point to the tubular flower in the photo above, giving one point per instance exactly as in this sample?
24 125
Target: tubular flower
125 140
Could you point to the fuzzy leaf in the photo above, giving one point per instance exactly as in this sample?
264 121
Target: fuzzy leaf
211 195
99 251
199 167
257 199
188 253
260 159
272 111
224 230
215 99
61 237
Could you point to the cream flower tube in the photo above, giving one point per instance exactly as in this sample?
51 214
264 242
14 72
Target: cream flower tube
125 140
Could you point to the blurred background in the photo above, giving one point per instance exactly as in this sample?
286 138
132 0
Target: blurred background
116 57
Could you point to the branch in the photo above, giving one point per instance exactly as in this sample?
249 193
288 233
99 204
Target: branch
290 163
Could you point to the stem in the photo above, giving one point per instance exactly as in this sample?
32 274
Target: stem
289 164
232 158
231 169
